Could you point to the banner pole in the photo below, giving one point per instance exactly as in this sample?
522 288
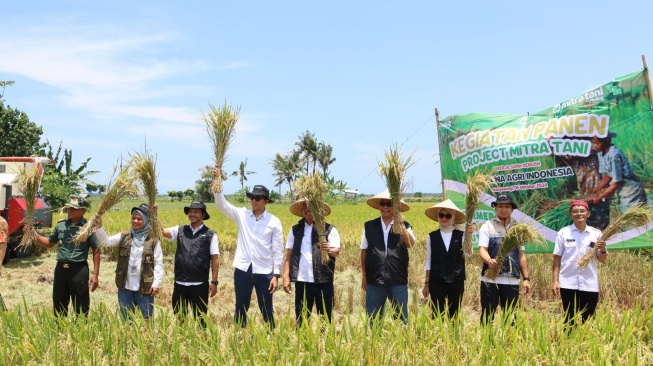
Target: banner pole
437 125
648 81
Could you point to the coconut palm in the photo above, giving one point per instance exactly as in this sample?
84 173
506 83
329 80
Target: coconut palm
324 158
242 173
307 147
286 169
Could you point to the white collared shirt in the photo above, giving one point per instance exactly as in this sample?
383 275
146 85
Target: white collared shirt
133 280
386 231
305 270
260 239
571 245
214 248
446 238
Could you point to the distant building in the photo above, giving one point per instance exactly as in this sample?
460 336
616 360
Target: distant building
351 193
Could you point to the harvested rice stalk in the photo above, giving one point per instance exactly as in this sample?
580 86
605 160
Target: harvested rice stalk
28 183
393 170
637 215
477 183
221 127
313 188
121 184
144 167
518 235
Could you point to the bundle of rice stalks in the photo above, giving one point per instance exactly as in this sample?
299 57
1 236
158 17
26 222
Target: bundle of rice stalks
120 185
221 127
28 183
144 167
314 189
477 183
636 216
393 170
519 234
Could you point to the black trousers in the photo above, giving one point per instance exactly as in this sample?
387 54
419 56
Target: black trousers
308 294
492 295
196 297
71 283
576 301
446 297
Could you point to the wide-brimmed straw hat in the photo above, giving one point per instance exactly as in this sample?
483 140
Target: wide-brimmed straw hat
297 208
385 195
433 211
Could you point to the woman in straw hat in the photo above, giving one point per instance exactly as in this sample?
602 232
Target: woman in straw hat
445 262
384 260
303 265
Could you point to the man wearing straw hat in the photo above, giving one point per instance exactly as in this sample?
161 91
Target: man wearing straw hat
259 251
445 260
71 275
197 253
4 233
303 265
504 289
384 260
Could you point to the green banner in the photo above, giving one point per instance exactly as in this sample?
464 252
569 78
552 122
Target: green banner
597 143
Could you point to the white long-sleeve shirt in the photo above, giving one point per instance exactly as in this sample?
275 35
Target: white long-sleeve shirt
260 239
133 281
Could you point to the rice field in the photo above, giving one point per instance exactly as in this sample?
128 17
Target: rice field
620 333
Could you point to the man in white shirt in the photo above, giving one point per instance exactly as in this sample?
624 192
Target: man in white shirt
197 252
577 286
259 252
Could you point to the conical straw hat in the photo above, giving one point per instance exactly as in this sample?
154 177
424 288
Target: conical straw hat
433 211
385 195
297 208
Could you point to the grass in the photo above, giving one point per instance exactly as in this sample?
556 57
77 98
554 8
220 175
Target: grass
619 334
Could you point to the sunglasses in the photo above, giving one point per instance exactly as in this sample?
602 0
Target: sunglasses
444 215
256 198
385 203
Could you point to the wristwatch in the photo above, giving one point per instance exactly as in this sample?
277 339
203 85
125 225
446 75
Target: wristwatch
214 282
526 279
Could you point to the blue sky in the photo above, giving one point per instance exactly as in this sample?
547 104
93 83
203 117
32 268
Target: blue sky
104 77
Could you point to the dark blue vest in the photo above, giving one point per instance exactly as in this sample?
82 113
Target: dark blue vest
447 266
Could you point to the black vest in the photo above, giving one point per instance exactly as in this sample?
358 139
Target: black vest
193 256
322 272
147 263
382 269
447 266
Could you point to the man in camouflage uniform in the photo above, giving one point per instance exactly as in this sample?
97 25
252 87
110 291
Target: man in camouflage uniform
71 275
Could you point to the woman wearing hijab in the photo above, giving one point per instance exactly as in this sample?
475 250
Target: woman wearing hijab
139 271
445 261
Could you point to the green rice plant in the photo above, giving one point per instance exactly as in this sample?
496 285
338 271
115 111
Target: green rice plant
393 170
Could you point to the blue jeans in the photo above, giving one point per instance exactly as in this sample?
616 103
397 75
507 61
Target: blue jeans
129 301
375 296
244 283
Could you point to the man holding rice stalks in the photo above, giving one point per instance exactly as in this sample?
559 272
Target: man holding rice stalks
197 253
139 271
577 286
259 251
303 265
384 260
504 289
71 275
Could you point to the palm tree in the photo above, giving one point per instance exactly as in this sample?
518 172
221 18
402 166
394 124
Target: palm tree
307 146
286 169
324 158
242 173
